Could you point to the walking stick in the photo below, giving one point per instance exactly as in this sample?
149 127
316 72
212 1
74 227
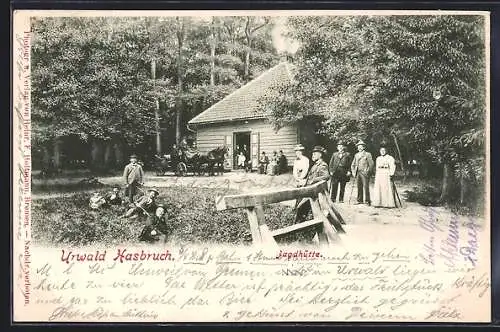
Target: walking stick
352 186
396 192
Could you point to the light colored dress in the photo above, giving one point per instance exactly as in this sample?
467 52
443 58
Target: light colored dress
273 165
300 170
383 192
241 160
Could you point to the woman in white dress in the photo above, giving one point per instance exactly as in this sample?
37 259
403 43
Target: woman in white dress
383 192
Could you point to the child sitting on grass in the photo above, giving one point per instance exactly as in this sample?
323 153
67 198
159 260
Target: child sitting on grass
97 201
113 198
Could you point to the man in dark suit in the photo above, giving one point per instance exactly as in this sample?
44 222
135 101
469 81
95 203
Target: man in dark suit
319 170
133 177
361 168
317 173
340 172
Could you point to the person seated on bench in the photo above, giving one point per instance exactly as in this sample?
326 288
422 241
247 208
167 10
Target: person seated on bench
272 168
263 162
282 163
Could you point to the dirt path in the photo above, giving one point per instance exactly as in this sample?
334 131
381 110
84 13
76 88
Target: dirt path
410 214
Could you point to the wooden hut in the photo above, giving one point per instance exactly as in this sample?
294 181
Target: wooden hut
238 122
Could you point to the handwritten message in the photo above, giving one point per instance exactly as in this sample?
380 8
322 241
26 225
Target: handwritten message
243 284
453 247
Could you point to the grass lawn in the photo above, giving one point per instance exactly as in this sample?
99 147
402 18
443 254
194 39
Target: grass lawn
68 220
60 214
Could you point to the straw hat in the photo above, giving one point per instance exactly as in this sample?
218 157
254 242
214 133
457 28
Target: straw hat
360 142
299 147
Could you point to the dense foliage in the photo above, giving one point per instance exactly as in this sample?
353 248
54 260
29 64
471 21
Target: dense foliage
416 83
102 79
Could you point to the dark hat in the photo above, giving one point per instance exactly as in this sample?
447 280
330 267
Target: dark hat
155 190
341 143
299 147
133 156
318 148
360 142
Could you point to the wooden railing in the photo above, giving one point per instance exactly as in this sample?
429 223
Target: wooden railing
326 219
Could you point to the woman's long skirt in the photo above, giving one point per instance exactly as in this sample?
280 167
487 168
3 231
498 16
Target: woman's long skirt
383 192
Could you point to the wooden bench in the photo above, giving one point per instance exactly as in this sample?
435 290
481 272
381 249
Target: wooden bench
325 216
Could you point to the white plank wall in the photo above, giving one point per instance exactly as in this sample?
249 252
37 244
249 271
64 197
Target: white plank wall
211 136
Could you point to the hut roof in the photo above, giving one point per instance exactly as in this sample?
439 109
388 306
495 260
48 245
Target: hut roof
243 103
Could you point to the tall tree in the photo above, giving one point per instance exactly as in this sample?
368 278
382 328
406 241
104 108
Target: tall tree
252 26
181 35
413 79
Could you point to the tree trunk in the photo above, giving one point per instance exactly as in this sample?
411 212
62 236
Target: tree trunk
445 188
247 61
57 153
212 53
248 36
180 42
107 155
463 188
96 155
45 157
157 110
118 149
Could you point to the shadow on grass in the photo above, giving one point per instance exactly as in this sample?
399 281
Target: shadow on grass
429 195
86 184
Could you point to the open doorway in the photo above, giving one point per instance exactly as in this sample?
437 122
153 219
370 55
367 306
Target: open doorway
241 144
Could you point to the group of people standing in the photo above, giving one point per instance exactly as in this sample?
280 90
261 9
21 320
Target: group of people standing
343 166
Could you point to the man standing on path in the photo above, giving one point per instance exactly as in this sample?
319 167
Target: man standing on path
339 171
317 173
133 176
361 168
319 170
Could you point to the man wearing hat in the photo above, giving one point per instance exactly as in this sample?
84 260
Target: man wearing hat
300 166
319 170
113 198
317 173
155 223
146 205
340 171
361 168
133 177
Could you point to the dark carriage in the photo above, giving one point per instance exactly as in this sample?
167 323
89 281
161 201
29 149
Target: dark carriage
187 160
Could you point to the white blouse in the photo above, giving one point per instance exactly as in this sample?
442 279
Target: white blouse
386 162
